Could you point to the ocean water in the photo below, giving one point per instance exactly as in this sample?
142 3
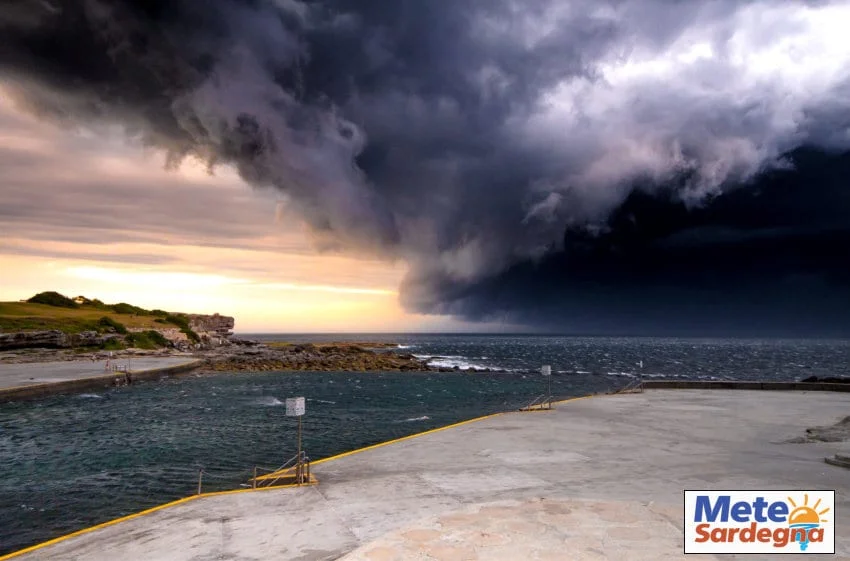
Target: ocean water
703 359
67 462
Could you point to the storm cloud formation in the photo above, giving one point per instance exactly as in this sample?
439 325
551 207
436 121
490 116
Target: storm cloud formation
616 166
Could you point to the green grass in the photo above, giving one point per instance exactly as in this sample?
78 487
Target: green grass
113 345
146 340
51 310
124 308
105 323
51 298
26 316
182 322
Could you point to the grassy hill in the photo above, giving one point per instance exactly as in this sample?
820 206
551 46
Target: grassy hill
50 310
26 316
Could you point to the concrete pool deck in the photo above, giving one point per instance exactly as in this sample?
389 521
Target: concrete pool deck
599 478
43 378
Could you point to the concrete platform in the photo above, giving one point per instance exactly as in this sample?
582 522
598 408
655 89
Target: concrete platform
12 375
597 478
39 379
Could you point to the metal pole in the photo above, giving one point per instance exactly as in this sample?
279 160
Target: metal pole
200 479
545 394
298 465
255 478
549 392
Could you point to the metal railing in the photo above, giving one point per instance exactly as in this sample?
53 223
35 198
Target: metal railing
291 469
540 402
544 402
226 478
635 386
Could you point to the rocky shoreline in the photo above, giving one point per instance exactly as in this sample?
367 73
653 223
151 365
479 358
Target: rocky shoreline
251 356
50 327
326 357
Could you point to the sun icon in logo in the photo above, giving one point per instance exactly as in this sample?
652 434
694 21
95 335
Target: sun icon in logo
805 517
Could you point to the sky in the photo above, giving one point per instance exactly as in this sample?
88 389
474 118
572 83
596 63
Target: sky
580 166
92 214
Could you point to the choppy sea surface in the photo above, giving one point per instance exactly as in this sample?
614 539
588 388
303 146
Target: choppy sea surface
68 462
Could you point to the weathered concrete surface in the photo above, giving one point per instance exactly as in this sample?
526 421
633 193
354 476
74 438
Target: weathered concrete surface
38 379
536 529
639 451
12 375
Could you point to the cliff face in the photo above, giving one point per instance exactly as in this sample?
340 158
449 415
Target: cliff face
213 330
51 339
212 326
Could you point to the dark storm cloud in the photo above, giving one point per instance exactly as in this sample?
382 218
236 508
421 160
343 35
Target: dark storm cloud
768 260
467 137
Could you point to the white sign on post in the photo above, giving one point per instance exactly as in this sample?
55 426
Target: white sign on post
295 406
546 370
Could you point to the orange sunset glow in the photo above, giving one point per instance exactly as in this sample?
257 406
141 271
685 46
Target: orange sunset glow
181 239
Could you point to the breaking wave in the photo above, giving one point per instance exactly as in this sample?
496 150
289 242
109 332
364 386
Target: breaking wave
269 401
415 419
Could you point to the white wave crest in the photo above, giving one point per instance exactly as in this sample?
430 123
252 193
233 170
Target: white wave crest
625 374
460 362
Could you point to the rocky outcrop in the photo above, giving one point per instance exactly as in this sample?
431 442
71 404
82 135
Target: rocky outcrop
24 356
214 330
173 334
240 355
214 326
52 339
340 357
827 379
245 342
88 339
839 432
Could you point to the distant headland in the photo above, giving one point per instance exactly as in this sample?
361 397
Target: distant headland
53 327
53 321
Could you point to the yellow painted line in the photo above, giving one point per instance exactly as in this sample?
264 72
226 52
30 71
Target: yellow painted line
276 475
313 481
288 472
402 439
572 399
97 527
539 408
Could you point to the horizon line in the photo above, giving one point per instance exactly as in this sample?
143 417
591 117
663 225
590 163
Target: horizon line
546 334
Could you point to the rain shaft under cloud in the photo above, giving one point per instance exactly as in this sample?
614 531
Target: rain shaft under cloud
583 165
